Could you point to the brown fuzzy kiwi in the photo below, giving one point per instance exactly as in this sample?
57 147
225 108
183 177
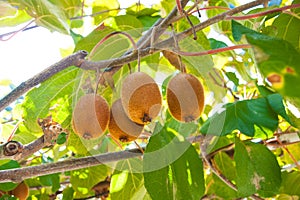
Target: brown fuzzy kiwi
120 126
21 191
90 116
185 97
141 98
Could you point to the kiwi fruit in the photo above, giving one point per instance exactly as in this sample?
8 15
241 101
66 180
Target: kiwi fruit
185 97
90 116
141 98
120 126
21 191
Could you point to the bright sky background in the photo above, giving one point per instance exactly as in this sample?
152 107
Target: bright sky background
31 51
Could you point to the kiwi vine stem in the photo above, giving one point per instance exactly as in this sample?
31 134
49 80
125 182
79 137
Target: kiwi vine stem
264 13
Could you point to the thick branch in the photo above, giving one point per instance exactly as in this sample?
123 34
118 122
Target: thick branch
22 152
19 174
75 59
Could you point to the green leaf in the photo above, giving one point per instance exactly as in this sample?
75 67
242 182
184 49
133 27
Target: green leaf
87 43
113 47
127 23
70 8
127 180
20 17
47 15
51 180
140 10
290 183
148 21
102 6
216 44
202 39
83 180
286 24
168 5
217 188
83 147
243 116
8 197
4 165
223 26
62 138
277 60
257 168
172 167
198 65
23 135
232 76
264 91
184 129
215 185
276 103
68 193
225 165
56 92
238 30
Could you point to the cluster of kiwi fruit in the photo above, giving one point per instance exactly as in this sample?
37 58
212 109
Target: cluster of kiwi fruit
140 103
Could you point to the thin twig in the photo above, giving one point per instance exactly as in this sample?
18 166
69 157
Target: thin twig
288 152
210 21
213 51
219 174
264 13
12 34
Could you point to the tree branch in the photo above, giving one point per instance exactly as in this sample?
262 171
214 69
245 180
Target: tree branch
160 27
209 22
75 59
165 44
16 151
19 174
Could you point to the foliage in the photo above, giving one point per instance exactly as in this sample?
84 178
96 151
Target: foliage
248 131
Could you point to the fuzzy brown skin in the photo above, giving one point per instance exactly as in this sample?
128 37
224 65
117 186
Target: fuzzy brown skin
21 191
90 116
120 126
141 98
174 59
185 97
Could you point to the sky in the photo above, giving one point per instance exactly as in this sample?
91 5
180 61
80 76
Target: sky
31 51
